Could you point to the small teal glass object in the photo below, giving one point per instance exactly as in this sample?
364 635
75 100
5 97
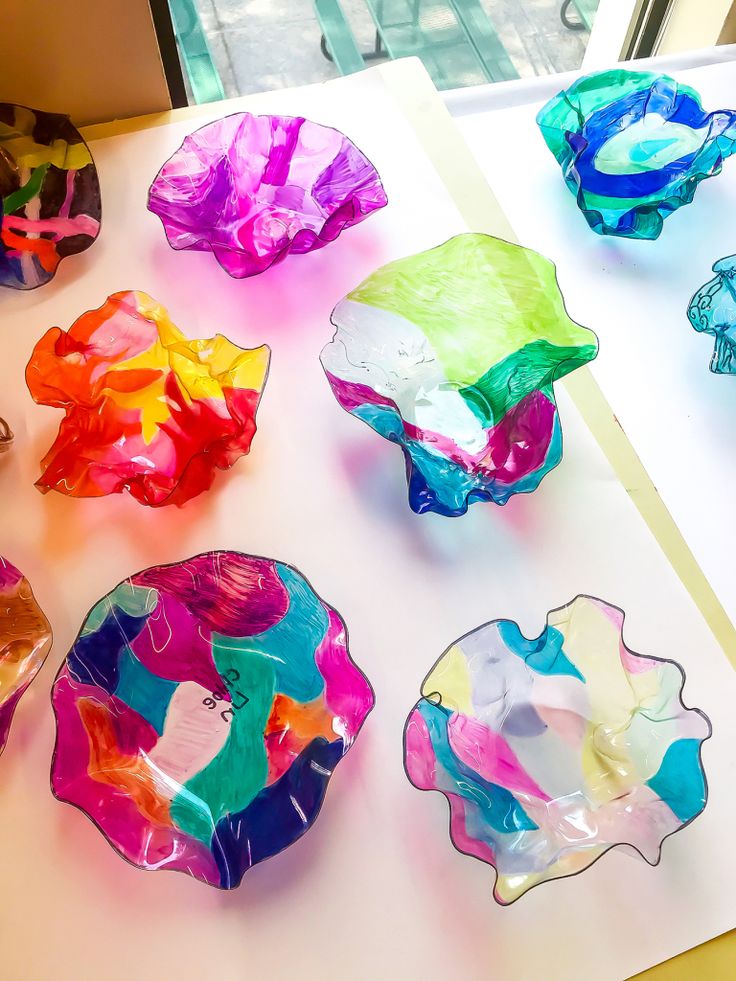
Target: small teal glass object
633 147
712 310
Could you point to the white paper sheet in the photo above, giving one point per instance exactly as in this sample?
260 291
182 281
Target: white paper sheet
375 889
652 366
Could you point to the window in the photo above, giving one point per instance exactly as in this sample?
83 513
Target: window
234 47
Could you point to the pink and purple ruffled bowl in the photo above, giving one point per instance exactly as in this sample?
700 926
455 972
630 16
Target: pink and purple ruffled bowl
252 189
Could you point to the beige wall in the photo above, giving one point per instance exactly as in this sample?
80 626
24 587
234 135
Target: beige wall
693 24
92 59
728 34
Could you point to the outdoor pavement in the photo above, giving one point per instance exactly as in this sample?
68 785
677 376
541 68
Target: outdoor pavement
259 45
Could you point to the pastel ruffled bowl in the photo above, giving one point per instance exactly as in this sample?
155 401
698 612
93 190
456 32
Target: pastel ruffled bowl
551 751
25 641
712 310
252 189
452 354
201 712
633 147
146 410
49 195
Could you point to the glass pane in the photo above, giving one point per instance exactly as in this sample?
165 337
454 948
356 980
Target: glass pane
241 46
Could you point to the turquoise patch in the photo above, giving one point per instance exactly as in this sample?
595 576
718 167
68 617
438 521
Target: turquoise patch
543 654
136 601
146 693
679 781
290 644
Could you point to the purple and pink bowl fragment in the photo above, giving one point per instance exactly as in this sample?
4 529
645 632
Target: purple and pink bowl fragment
252 189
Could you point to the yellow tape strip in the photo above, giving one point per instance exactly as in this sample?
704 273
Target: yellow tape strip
600 419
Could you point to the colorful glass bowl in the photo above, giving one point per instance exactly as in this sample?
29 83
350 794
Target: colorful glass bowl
551 751
49 195
713 311
452 354
146 409
633 147
201 711
25 641
252 189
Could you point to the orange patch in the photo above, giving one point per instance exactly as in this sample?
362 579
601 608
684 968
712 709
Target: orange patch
132 775
292 726
43 248
306 720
